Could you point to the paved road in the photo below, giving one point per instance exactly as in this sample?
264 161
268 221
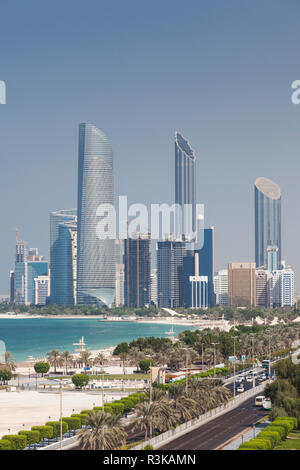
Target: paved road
218 431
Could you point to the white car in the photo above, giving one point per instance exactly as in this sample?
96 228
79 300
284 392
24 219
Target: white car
240 388
239 379
249 379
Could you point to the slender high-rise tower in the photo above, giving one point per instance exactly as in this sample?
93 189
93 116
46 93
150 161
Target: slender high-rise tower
185 185
95 257
267 220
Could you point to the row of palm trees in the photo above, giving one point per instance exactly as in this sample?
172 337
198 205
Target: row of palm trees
66 360
159 412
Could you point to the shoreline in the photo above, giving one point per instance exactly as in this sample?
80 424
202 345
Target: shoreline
153 320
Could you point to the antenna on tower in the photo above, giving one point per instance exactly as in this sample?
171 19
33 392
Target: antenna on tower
17 234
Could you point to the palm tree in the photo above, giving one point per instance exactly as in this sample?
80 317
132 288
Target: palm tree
135 356
54 358
66 358
85 358
185 407
103 432
9 361
100 359
147 416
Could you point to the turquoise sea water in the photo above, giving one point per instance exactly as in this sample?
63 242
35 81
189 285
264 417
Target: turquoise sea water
37 336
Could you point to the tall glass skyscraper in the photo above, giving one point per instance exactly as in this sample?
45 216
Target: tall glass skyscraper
61 256
95 257
267 220
185 184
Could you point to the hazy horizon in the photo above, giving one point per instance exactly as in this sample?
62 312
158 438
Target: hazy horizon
220 73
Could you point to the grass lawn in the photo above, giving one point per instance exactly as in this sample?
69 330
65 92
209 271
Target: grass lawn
111 377
291 444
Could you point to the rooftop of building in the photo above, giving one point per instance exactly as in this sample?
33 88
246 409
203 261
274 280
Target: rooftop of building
185 146
268 188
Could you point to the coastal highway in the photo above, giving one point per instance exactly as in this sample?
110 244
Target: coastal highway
212 435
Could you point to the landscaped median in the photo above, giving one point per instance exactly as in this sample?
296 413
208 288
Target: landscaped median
42 434
272 437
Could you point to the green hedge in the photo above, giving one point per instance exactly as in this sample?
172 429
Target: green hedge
117 408
5 444
33 437
82 418
289 423
108 409
72 423
281 429
256 444
128 404
56 427
46 432
17 442
272 436
86 412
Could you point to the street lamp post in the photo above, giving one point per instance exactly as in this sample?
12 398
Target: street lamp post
60 410
214 345
253 376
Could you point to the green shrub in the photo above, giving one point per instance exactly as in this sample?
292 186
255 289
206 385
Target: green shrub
280 429
82 418
273 436
56 427
128 404
108 409
97 408
46 432
33 437
256 444
5 444
289 418
86 412
117 408
148 447
72 422
17 442
288 423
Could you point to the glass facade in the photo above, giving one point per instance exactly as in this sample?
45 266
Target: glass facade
95 257
61 256
267 220
170 282
185 185
35 269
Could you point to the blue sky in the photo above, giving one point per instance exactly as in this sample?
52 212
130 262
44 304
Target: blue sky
218 71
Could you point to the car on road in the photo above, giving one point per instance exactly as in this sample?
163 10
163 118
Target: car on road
239 379
240 388
249 378
259 400
267 405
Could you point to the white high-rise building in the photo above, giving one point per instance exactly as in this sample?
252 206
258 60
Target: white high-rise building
120 278
221 287
41 289
282 291
153 296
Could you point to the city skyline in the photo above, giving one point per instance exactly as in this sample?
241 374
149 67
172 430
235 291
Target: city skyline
139 100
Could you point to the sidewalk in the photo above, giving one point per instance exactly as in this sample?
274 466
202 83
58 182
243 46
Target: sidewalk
246 436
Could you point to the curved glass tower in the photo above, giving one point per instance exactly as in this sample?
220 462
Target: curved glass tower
267 220
95 257
185 183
